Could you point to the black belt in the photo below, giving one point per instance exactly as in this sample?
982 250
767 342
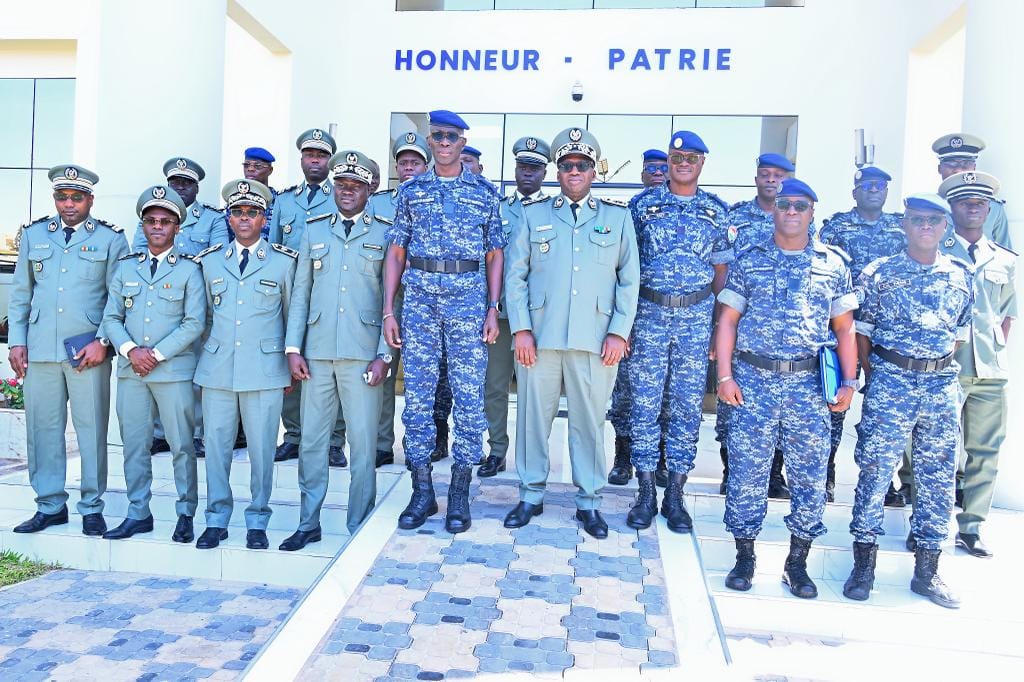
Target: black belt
780 366
916 364
450 267
675 301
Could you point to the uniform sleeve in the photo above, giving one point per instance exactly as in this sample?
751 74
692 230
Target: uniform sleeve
20 298
192 324
827 233
112 326
963 322
517 269
1000 226
721 250
302 288
627 287
401 230
139 240
219 230
735 292
118 247
843 298
494 236
867 294
274 234
1007 304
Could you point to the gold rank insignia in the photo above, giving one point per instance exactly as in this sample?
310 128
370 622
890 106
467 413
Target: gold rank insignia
38 266
128 302
545 247
287 229
216 299
317 264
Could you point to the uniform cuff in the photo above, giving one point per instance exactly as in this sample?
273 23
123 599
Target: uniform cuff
292 349
864 328
127 347
844 304
733 300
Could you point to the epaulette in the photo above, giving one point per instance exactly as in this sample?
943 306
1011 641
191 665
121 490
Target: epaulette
736 205
281 248
382 219
835 249
112 226
188 257
213 208
968 267
207 252
614 202
37 220
382 192
537 200
719 200
289 189
747 248
130 256
1004 248
481 180
318 217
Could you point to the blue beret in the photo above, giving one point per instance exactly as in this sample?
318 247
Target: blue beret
870 173
775 161
791 187
688 141
472 151
926 201
443 117
259 153
655 155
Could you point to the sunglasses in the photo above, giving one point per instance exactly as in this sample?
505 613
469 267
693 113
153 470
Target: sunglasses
869 185
246 213
691 158
921 220
653 168
77 197
960 164
581 166
150 221
255 165
785 204
450 136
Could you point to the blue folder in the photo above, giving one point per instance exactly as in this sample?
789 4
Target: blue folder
831 377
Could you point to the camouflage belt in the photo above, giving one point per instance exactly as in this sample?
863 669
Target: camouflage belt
675 301
780 366
450 267
916 364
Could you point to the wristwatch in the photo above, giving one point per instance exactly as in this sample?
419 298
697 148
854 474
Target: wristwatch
104 341
386 357
852 383
495 304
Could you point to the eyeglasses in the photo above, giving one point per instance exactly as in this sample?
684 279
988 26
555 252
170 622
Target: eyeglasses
77 197
255 165
933 220
960 164
450 136
869 185
786 204
246 213
150 221
691 158
653 168
581 166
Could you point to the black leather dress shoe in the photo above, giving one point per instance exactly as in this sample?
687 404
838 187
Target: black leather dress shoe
491 466
958 499
972 544
211 537
39 521
286 451
197 443
522 513
129 527
256 539
336 457
183 531
300 539
240 441
385 457
593 523
159 445
93 524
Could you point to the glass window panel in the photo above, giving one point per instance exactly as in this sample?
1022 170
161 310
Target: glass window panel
42 195
485 133
643 4
424 5
55 113
544 126
16 129
734 143
14 205
731 194
543 4
624 138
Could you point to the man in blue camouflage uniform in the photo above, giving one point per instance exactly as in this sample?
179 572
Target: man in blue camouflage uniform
684 252
865 233
751 222
915 307
447 223
784 301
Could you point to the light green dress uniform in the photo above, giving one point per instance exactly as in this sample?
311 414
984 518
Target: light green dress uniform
335 322
59 291
571 282
165 311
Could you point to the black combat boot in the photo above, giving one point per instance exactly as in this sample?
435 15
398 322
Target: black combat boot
862 578
661 473
458 519
440 441
742 573
725 470
893 497
673 507
830 478
777 488
926 580
622 469
646 506
422 504
795 572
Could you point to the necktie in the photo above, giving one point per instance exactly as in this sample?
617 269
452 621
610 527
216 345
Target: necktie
575 211
313 189
152 266
972 251
348 225
244 262
69 232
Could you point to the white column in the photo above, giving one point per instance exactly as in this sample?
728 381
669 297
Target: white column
994 109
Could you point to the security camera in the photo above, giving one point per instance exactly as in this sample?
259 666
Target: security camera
577 92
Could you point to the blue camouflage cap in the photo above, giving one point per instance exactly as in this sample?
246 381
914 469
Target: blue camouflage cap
926 201
792 187
160 196
772 160
685 140
870 173
655 155
260 154
472 151
443 117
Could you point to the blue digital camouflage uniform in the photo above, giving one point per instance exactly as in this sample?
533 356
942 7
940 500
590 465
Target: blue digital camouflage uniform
445 219
919 311
786 302
680 241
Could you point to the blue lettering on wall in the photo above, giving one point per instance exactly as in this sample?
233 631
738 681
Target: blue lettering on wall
619 59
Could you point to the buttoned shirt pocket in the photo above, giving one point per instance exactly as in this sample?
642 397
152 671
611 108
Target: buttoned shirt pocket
92 264
995 280
602 248
319 257
211 345
272 345
130 297
537 300
267 297
373 259
217 290
40 263
605 306
541 244
172 301
313 318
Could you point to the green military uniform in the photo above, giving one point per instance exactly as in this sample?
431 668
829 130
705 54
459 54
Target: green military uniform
335 323
59 291
157 302
242 367
571 281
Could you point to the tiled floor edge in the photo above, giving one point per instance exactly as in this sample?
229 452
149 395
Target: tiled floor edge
295 641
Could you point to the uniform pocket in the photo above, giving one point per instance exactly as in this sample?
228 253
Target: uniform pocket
601 248
318 257
172 301
92 264
267 297
40 264
373 261
541 244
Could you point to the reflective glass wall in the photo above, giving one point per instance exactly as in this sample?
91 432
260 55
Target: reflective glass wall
429 5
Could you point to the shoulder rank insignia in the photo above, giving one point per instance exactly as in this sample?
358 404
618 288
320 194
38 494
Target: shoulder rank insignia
313 219
112 226
614 202
538 200
39 220
1004 248
212 208
382 219
129 256
206 252
188 257
281 248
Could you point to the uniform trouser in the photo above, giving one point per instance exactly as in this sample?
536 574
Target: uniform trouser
443 398
777 408
261 413
331 381
588 385
899 404
197 417
48 388
669 355
174 402
290 413
984 428
622 398
386 424
430 328
498 381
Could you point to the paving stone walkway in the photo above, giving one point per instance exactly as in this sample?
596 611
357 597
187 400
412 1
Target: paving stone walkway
545 599
82 625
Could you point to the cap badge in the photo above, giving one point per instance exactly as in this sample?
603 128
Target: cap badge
159 192
318 134
575 134
858 175
956 142
71 173
180 163
531 144
677 143
352 158
243 187
410 138
970 178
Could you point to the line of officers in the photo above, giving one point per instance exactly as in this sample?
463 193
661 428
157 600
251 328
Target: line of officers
294 305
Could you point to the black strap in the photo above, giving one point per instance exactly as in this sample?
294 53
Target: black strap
916 364
449 267
675 301
779 366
